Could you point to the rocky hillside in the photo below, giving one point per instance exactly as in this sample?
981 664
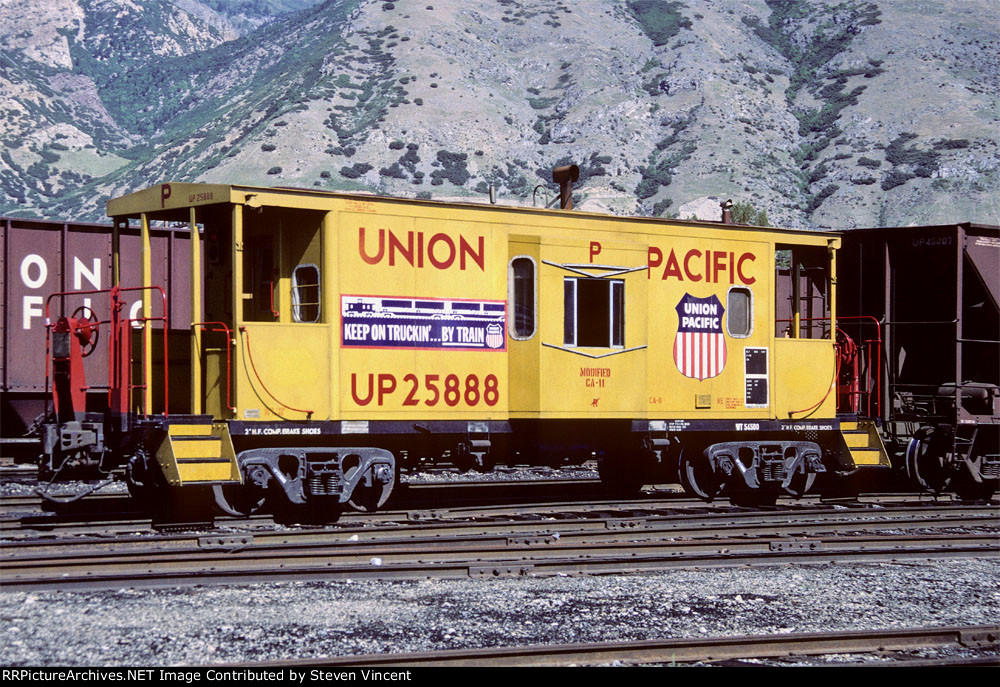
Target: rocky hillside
824 113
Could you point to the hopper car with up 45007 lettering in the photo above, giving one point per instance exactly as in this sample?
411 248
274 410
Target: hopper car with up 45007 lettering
328 340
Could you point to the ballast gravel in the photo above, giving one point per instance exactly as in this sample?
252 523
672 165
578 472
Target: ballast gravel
197 626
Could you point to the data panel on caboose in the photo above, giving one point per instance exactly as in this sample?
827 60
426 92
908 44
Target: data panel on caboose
755 371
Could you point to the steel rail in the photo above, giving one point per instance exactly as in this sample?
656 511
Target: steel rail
646 526
674 651
407 495
92 509
406 524
516 557
236 551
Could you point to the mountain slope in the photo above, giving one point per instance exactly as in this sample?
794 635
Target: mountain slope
827 114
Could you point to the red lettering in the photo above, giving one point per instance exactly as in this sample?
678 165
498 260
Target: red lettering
381 247
435 240
395 243
386 385
650 261
595 250
454 392
354 390
673 268
430 381
411 398
739 268
413 251
718 264
693 253
466 249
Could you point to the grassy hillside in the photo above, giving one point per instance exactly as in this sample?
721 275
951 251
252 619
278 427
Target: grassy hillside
832 113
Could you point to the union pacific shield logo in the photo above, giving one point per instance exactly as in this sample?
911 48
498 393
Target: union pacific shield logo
494 335
700 345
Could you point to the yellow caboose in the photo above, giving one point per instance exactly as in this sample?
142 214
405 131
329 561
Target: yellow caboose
337 337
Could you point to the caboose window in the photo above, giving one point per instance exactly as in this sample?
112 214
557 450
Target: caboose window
523 296
594 312
739 312
305 293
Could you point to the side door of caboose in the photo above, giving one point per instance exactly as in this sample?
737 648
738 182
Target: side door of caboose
523 349
803 373
216 320
282 331
593 334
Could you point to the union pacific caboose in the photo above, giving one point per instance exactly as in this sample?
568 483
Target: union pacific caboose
335 338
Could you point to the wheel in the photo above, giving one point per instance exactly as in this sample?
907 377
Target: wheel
698 476
238 500
90 329
488 462
800 484
369 498
366 499
621 475
926 464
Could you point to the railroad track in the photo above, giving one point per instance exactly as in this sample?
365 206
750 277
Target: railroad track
895 646
118 513
415 495
430 498
596 545
110 515
10 470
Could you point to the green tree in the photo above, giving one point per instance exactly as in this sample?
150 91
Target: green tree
745 213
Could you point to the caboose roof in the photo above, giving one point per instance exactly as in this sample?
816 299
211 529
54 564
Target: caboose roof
170 202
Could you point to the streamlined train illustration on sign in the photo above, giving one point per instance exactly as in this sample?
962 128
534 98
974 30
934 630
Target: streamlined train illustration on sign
331 339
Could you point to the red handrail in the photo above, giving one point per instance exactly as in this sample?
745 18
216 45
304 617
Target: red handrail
114 306
873 350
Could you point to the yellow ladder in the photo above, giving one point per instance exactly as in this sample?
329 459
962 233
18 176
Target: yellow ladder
864 443
199 453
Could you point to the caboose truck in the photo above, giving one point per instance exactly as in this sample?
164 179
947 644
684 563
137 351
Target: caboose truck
337 337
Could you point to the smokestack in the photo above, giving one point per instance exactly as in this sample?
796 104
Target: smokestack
727 212
565 176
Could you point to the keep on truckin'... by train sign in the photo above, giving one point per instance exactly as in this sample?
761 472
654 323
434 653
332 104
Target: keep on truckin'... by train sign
425 323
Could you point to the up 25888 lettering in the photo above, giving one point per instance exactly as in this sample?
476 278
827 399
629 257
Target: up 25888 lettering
429 391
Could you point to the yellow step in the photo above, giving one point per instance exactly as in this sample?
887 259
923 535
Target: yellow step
203 471
848 426
196 447
190 430
866 456
198 453
857 439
